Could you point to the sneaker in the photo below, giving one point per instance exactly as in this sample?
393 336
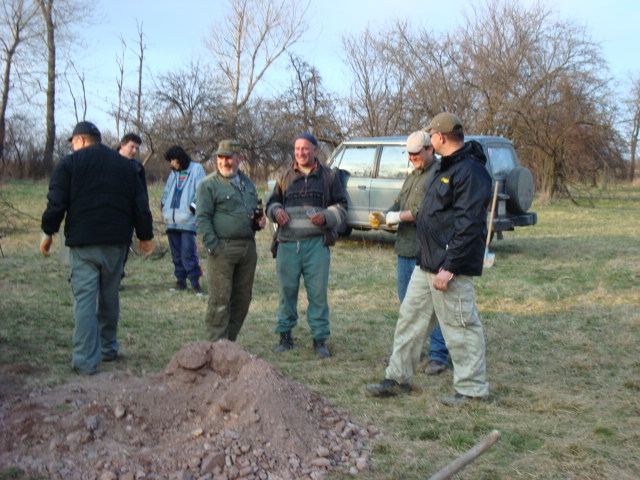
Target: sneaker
286 342
459 399
388 388
434 367
320 347
179 286
198 291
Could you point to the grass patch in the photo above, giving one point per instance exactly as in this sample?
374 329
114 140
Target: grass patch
560 310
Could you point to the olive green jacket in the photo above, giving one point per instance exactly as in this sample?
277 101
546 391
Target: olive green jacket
224 212
409 198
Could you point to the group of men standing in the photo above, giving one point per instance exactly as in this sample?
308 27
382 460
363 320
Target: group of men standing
441 213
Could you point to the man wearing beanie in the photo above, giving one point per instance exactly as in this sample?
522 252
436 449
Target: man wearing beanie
452 226
308 204
102 198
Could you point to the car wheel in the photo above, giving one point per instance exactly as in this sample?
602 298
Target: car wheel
519 187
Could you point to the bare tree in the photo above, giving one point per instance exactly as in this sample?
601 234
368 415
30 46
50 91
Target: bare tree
378 100
79 101
48 17
537 80
253 35
120 62
309 105
632 104
17 18
142 47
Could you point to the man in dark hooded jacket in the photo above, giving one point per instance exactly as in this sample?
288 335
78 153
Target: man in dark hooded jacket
451 229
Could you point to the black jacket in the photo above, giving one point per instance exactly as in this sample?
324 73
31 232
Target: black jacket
103 196
452 219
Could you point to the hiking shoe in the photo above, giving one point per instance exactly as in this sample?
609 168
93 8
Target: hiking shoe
198 291
286 342
388 388
320 347
179 286
459 399
434 367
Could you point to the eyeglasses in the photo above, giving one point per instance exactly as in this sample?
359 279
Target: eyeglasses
431 134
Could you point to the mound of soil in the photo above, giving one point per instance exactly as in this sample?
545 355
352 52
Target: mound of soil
216 412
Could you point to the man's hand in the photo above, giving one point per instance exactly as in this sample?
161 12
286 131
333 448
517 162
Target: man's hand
318 219
376 218
442 279
146 248
263 222
393 218
281 217
45 244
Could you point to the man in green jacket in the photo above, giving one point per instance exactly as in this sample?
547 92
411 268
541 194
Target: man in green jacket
403 213
225 218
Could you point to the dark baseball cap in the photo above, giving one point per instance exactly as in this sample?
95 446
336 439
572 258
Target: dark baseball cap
86 128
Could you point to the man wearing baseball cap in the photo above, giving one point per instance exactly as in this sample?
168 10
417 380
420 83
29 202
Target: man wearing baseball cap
451 229
102 199
403 213
225 217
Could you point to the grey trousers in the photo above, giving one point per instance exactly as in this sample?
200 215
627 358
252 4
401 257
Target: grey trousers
95 279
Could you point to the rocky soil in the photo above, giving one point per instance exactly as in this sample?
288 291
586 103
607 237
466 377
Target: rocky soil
216 412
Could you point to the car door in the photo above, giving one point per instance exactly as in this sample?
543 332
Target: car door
357 163
391 173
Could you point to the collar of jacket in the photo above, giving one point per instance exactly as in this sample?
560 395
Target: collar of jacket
313 169
470 148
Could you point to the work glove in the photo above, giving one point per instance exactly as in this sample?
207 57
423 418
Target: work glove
376 218
45 244
146 248
393 218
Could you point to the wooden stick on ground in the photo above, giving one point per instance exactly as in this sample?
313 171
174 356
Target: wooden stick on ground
469 456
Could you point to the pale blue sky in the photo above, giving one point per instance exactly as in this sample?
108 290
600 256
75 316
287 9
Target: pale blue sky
175 32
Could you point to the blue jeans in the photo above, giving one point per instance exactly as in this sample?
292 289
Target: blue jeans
437 348
184 254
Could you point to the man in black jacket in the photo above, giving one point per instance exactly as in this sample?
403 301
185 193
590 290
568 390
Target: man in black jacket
103 199
451 228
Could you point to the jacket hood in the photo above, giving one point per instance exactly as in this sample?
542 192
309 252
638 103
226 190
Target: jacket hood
471 147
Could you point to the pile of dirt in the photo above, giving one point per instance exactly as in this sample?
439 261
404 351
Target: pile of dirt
216 412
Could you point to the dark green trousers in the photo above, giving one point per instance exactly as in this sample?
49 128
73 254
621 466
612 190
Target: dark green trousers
231 269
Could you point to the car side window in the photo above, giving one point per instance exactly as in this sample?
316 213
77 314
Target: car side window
358 161
502 161
393 162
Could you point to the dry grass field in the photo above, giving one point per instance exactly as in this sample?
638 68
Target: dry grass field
560 308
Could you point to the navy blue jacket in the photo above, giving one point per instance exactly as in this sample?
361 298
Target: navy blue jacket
452 218
103 196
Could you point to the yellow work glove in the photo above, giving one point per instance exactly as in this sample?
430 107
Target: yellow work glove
146 248
376 218
45 244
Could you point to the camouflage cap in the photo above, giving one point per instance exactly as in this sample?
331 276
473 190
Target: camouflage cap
226 148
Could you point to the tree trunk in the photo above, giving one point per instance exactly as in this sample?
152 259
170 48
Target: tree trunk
46 7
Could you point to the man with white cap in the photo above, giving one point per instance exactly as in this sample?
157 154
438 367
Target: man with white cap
451 227
403 213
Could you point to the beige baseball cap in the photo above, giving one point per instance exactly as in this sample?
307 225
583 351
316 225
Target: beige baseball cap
417 141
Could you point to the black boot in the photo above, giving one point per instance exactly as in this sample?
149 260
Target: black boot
321 349
286 342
